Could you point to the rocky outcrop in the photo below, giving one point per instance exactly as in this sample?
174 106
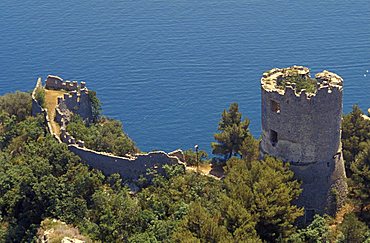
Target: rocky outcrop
52 230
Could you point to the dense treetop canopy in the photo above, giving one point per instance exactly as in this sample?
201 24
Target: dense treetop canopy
105 135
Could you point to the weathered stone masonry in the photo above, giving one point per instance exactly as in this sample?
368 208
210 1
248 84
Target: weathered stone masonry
77 101
305 130
57 83
126 167
37 109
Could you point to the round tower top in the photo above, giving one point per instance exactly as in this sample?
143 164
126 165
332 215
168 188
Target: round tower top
298 79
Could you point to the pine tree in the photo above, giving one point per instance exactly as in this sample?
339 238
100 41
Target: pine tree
360 179
250 149
355 133
354 230
267 188
234 137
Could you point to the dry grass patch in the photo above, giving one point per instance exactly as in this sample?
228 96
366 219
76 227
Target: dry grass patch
53 231
215 171
51 101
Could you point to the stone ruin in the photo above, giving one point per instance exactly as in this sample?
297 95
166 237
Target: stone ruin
57 83
76 100
304 129
325 79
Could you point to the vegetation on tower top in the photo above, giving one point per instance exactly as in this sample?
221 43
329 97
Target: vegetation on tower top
301 82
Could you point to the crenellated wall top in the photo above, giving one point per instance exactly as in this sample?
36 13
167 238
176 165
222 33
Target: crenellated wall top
324 81
57 83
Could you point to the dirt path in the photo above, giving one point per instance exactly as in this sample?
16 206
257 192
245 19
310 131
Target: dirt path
214 171
51 100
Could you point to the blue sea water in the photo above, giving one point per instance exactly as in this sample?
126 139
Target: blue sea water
168 68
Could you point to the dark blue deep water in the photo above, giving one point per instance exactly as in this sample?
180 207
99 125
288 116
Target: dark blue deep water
167 69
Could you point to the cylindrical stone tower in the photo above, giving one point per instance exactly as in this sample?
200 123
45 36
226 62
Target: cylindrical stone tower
301 124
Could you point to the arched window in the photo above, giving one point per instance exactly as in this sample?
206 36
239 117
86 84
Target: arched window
273 137
275 106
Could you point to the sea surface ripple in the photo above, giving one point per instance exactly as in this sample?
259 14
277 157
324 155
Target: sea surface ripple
167 69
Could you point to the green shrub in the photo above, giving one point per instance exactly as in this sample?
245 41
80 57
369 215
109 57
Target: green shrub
95 104
106 136
191 157
307 83
40 96
18 104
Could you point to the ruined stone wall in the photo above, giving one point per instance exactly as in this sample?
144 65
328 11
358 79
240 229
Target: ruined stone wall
57 83
128 168
84 105
74 102
37 109
304 129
